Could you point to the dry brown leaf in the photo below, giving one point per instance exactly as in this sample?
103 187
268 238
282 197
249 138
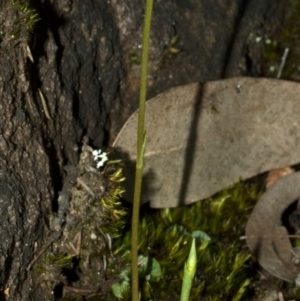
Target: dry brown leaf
203 138
266 236
276 174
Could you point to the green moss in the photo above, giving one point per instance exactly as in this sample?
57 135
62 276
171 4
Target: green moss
165 237
170 52
222 262
17 20
134 59
28 17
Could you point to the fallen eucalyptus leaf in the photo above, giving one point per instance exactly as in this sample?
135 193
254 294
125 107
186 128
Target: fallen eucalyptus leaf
267 238
202 138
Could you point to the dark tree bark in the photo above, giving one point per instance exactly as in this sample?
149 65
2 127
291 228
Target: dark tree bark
84 54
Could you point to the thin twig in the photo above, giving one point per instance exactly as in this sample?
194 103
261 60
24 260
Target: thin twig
53 238
89 292
80 291
71 245
29 54
46 111
77 238
86 187
283 60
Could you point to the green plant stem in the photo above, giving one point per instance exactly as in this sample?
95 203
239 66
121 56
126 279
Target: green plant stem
141 141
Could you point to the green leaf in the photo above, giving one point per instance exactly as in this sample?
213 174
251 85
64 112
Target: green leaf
200 235
124 274
149 267
120 288
182 230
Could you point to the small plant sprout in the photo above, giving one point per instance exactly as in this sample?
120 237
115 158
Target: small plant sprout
189 273
100 157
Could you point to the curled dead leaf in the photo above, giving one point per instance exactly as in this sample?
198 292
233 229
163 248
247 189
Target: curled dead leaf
267 238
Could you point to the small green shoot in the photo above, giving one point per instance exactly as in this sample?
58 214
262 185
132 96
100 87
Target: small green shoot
189 273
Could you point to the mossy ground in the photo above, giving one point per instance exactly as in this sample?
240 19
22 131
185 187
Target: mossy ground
223 270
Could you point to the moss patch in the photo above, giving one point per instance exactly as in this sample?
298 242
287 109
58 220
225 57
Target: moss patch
166 235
